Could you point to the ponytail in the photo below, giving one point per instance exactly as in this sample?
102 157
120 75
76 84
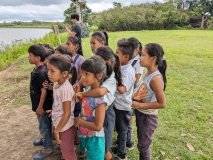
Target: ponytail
117 70
106 36
108 71
107 54
162 69
74 73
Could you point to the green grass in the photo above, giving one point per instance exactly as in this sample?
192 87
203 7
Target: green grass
189 107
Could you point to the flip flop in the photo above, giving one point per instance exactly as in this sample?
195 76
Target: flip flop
38 142
40 155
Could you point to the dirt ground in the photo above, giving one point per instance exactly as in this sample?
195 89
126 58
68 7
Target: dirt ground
18 129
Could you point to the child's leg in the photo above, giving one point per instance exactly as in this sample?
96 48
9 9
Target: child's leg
45 129
129 142
67 144
109 123
95 148
121 124
146 125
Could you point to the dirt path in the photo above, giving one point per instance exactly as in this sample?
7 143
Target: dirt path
18 129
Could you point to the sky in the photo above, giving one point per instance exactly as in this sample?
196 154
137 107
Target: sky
50 10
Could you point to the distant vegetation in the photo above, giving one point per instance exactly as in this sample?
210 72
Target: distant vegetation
172 14
32 24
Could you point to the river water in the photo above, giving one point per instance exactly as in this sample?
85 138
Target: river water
9 35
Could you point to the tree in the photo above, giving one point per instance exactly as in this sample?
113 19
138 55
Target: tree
117 5
203 8
72 9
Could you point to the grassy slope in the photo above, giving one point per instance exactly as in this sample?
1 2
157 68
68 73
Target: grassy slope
189 100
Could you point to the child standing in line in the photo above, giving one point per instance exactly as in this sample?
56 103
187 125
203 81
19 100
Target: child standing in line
135 62
41 99
123 97
107 89
63 49
149 96
77 56
98 39
59 69
91 119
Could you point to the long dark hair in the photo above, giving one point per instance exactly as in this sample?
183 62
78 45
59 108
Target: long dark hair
101 37
154 49
107 54
97 65
63 63
75 41
63 49
137 44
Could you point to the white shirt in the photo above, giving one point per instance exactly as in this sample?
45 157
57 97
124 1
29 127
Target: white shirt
110 85
62 94
124 101
137 67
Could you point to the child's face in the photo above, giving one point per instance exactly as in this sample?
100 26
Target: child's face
54 73
89 78
146 60
71 46
33 59
94 44
124 59
136 52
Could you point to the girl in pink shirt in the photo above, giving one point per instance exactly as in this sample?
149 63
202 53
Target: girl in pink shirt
59 72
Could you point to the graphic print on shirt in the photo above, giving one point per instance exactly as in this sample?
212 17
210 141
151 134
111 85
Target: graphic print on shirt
141 94
88 114
55 106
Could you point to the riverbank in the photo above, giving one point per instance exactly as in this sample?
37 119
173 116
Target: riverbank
18 26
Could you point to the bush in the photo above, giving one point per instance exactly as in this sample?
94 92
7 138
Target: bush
137 17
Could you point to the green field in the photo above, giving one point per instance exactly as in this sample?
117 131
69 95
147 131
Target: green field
188 116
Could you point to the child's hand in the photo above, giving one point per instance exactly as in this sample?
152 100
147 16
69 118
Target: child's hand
77 120
57 137
40 111
45 84
135 105
78 96
76 87
50 112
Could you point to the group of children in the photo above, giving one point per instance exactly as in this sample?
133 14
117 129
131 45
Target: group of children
94 97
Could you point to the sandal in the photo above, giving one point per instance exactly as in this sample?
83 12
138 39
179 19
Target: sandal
40 155
57 151
81 154
38 142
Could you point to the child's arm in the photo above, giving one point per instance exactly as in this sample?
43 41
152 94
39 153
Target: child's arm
97 92
137 77
156 84
99 119
64 119
40 110
121 89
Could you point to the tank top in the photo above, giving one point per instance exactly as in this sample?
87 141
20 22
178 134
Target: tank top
144 94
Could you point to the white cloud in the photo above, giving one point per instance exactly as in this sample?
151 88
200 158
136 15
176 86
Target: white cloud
21 10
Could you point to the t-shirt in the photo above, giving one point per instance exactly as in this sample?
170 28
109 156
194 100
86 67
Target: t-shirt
77 29
110 85
88 114
144 94
38 76
78 61
62 94
137 67
124 101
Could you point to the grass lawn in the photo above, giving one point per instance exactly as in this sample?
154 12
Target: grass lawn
188 117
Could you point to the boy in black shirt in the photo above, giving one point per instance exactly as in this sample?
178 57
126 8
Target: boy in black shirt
41 99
